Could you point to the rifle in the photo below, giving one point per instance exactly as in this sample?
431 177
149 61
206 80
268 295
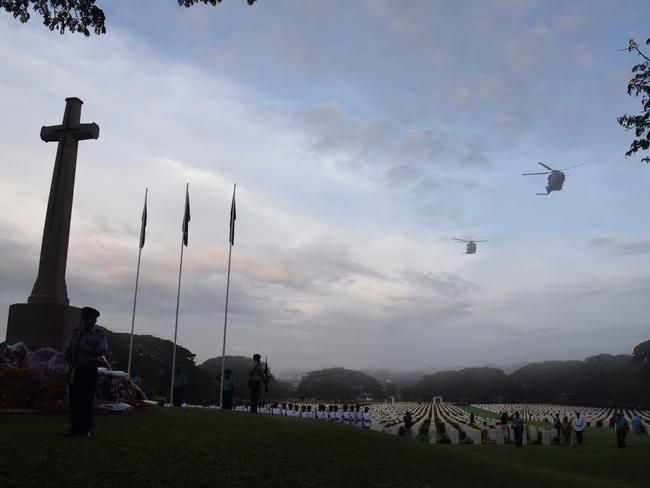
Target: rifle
266 373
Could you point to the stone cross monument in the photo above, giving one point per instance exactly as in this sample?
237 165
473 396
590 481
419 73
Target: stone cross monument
47 319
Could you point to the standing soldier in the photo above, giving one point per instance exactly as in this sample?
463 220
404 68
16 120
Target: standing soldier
82 353
256 377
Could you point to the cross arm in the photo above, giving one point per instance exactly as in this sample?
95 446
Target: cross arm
80 132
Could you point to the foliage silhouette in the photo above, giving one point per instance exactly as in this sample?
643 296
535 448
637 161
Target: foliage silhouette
639 85
81 16
339 385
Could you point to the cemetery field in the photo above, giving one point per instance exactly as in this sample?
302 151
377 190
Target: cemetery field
196 447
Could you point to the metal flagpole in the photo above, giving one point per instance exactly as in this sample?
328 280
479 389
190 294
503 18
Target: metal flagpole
137 278
178 298
225 319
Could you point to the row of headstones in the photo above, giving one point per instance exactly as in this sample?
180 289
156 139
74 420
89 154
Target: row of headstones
418 421
496 433
389 418
419 417
440 413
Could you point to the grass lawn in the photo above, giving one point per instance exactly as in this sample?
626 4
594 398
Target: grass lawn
491 415
194 448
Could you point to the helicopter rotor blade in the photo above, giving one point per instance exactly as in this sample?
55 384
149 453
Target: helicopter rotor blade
531 174
577 166
460 240
547 167
482 241
541 194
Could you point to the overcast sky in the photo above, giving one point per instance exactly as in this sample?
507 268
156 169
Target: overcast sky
363 136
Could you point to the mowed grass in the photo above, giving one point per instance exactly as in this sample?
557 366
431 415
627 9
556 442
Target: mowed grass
492 415
195 448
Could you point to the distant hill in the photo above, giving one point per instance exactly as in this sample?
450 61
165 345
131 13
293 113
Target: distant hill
598 380
339 385
602 379
471 385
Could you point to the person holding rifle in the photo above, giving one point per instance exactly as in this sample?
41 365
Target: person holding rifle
256 376
83 351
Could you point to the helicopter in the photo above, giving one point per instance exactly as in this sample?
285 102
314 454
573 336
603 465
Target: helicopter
471 245
556 177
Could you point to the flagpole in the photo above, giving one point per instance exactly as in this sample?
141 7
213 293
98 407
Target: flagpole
225 319
178 299
135 295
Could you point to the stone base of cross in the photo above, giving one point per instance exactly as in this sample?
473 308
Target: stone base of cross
41 324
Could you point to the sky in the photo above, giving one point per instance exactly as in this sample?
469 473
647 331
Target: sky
363 135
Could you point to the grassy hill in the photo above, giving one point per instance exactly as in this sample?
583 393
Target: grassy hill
194 447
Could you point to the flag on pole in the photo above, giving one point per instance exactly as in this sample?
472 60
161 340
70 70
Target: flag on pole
233 217
143 227
186 216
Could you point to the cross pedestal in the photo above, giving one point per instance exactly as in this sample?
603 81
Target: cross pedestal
47 319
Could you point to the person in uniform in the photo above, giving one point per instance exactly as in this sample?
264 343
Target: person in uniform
517 429
408 425
229 385
579 428
367 418
82 353
256 377
180 381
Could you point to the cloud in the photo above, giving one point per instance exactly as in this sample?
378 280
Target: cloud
616 247
358 143
447 284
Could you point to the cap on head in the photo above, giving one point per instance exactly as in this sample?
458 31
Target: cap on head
256 357
89 312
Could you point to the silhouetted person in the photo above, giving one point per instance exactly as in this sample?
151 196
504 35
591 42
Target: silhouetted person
180 381
517 429
408 425
620 427
504 425
566 431
471 418
229 385
255 379
82 352
635 424
579 428
557 424
367 418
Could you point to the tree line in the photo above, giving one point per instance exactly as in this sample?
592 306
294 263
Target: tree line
598 380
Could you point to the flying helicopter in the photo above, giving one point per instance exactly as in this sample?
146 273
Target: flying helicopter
556 177
471 245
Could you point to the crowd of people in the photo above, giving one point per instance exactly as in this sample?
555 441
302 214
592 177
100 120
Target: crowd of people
571 432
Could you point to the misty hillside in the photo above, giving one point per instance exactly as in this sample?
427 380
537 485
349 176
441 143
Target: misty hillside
602 379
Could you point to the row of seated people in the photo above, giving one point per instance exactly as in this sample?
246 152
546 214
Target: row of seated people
346 414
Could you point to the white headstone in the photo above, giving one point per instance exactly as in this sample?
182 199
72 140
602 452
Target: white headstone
453 434
500 437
